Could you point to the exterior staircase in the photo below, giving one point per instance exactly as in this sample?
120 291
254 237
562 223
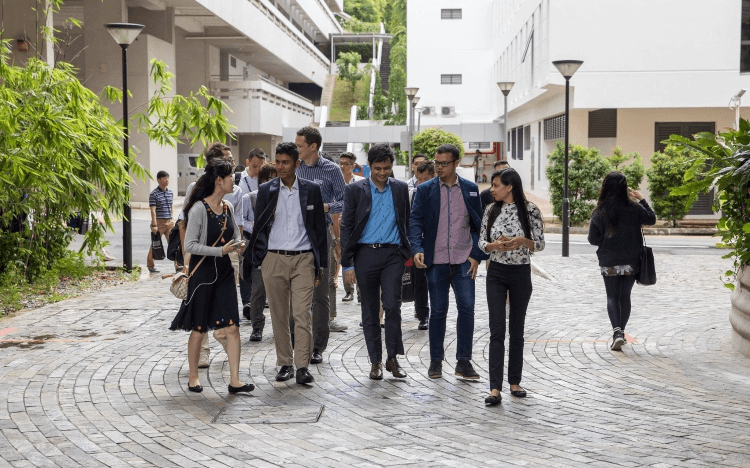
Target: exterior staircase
334 150
385 65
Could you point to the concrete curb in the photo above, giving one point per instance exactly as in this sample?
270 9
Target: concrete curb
539 271
650 231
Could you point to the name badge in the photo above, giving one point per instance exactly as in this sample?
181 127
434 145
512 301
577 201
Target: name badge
310 207
472 194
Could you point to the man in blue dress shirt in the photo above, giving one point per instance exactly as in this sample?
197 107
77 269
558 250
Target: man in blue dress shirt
375 247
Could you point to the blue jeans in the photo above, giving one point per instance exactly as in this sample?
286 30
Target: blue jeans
440 278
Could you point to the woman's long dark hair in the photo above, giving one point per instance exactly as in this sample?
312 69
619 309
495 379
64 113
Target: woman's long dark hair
613 197
206 185
510 177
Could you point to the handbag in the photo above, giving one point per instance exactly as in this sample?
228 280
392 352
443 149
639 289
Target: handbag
157 248
179 287
646 269
407 282
174 249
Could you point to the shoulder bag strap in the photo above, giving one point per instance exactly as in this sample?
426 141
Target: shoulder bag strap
221 234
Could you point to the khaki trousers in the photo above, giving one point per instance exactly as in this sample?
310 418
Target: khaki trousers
289 281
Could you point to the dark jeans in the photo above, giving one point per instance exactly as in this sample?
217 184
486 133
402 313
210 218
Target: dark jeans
246 284
618 298
258 301
513 282
421 301
440 279
379 273
321 306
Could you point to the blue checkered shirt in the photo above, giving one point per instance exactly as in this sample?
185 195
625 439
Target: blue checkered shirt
162 200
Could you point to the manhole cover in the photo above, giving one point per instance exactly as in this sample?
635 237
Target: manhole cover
268 414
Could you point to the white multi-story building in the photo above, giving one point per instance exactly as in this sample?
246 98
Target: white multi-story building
267 59
650 69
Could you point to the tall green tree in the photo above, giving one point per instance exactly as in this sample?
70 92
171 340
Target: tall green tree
666 173
428 140
397 79
369 11
634 171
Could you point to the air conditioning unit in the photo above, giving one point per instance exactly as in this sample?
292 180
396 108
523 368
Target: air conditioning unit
448 111
428 111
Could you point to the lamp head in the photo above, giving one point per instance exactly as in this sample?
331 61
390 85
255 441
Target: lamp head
567 68
124 33
411 91
740 93
414 101
505 86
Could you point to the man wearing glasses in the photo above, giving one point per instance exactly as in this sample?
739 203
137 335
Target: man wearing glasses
444 233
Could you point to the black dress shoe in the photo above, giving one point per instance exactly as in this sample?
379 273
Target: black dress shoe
493 400
303 376
465 370
376 371
243 389
423 324
520 393
316 358
256 335
265 305
246 311
348 297
285 373
436 370
392 366
196 389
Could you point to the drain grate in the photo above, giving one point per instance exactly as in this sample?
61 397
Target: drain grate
268 414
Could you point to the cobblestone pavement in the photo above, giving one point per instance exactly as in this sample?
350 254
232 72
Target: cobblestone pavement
100 381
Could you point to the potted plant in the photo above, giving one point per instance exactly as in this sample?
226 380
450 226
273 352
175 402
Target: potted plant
723 162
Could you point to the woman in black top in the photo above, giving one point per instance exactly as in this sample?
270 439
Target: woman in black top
616 229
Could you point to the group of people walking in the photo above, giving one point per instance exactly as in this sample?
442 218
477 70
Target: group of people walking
286 239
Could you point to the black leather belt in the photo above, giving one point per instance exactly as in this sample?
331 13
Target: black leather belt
379 246
289 253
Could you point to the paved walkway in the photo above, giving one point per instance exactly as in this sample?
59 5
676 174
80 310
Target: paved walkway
100 381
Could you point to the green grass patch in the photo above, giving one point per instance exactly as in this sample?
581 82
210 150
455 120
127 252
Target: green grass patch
344 99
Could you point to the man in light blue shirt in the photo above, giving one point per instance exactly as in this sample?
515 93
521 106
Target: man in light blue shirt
374 250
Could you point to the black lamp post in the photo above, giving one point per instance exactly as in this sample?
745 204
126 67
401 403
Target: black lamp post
505 87
125 34
567 68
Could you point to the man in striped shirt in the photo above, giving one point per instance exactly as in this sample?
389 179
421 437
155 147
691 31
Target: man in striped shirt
327 175
160 201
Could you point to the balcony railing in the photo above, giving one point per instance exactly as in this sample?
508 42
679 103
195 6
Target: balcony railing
264 89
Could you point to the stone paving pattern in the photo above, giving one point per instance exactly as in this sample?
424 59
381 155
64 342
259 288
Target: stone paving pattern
100 381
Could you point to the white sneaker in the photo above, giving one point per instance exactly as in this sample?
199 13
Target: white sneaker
221 339
203 360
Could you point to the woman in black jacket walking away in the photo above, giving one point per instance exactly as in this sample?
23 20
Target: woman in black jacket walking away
616 229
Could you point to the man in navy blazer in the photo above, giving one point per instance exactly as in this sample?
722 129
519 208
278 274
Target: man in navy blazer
444 232
374 249
289 241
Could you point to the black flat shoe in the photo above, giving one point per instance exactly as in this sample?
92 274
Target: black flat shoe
244 389
521 393
493 400
196 389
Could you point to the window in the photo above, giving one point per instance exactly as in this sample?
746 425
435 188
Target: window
603 123
450 13
663 130
527 137
232 62
513 143
745 38
554 127
479 144
518 143
450 79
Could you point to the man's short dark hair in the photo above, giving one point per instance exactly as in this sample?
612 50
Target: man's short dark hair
288 148
449 149
500 163
161 174
419 155
380 153
257 153
312 135
428 166
349 156
216 150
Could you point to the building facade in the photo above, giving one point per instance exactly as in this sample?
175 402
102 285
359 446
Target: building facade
645 75
266 59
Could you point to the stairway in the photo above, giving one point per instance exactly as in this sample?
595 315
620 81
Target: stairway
334 150
385 65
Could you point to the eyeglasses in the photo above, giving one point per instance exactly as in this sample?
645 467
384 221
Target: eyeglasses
443 163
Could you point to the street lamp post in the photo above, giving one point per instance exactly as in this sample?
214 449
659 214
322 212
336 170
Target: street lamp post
125 34
735 104
411 93
567 68
505 87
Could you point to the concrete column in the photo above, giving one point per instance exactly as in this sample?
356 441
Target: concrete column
21 21
739 316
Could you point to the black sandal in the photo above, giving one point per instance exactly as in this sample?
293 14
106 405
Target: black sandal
245 388
520 393
197 389
493 399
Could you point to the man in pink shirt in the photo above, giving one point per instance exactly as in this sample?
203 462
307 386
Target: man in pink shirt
444 233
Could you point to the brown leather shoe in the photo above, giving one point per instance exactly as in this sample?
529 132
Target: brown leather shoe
392 366
376 372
